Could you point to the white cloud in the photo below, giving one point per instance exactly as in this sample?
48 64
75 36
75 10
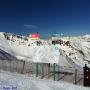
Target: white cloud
30 26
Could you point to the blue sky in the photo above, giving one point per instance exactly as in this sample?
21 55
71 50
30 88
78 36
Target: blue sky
70 17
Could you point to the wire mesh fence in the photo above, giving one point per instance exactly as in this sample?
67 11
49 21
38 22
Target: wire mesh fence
42 70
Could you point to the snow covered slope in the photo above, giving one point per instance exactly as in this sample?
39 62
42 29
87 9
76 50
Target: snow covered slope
15 47
75 55
6 56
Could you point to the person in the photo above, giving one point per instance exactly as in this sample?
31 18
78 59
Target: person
86 67
86 75
37 42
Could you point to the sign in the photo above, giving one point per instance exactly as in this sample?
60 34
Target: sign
34 35
46 54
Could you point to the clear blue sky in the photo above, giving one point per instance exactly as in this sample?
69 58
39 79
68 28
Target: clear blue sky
71 17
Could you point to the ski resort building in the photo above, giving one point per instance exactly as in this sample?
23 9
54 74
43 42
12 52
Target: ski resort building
34 37
55 36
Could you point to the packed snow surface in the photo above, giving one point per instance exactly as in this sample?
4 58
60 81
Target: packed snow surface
12 81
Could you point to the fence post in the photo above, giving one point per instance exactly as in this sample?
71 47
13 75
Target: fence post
36 69
75 76
23 67
42 70
54 71
49 70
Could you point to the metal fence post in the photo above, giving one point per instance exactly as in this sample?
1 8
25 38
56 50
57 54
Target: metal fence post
54 71
75 76
49 70
36 69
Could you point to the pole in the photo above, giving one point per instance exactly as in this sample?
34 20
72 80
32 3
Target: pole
58 71
36 69
54 71
75 76
42 70
23 67
49 70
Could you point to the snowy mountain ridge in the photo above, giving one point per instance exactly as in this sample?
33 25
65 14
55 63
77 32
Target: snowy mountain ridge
77 54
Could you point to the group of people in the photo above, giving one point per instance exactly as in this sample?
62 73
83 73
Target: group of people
61 42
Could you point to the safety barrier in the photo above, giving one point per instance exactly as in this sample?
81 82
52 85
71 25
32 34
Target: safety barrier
42 70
